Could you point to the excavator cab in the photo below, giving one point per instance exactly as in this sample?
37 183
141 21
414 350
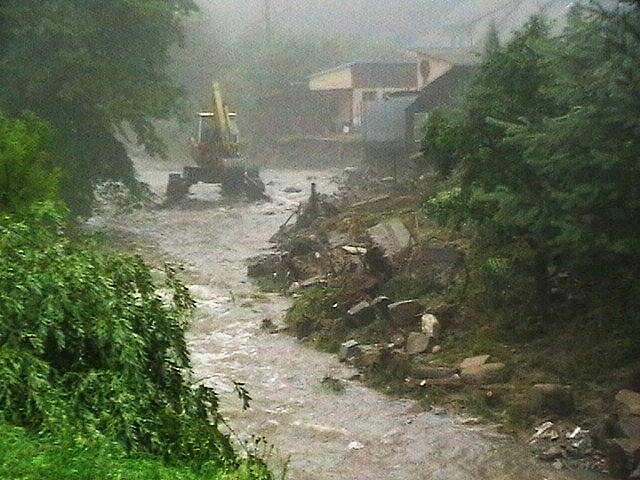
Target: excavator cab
217 140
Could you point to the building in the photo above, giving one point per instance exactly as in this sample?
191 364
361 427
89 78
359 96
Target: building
351 87
445 91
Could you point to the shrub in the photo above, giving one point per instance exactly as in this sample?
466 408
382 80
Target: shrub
90 347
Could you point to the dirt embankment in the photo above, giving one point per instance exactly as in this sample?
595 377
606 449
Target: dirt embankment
377 284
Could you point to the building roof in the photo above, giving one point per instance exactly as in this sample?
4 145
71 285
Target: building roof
444 91
374 74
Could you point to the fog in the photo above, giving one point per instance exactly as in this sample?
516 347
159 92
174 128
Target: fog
399 20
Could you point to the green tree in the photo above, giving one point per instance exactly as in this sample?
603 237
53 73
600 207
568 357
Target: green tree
548 166
91 68
27 175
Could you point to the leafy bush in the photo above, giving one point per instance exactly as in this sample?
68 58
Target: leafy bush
90 348
26 173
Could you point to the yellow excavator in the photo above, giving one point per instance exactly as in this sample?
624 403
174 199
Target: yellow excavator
216 144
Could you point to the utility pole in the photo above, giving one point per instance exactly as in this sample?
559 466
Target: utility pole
267 20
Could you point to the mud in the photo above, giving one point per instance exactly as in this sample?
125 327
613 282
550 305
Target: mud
312 427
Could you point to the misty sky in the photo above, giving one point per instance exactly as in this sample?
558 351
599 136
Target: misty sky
402 20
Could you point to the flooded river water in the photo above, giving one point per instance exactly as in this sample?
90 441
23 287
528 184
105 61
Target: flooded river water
358 434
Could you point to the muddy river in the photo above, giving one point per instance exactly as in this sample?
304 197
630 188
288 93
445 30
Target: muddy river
358 434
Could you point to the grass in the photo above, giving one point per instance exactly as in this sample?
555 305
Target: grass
25 457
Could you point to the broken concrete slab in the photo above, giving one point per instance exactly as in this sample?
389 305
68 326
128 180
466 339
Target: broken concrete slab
417 343
486 373
405 312
474 361
392 237
431 326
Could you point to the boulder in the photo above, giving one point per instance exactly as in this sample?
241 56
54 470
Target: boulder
405 313
392 237
623 456
474 361
417 343
431 326
482 374
629 426
627 403
552 398
349 350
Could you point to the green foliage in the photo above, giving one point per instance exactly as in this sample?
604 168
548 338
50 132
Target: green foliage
27 458
547 164
26 173
90 68
90 349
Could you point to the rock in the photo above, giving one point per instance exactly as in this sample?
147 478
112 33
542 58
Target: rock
417 343
627 403
398 342
403 313
487 373
294 288
349 350
392 237
635 475
369 357
362 312
431 326
313 282
474 361
355 250
292 190
268 265
629 426
552 454
552 398
623 456
436 349
356 446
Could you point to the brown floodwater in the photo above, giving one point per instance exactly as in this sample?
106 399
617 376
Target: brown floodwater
357 434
